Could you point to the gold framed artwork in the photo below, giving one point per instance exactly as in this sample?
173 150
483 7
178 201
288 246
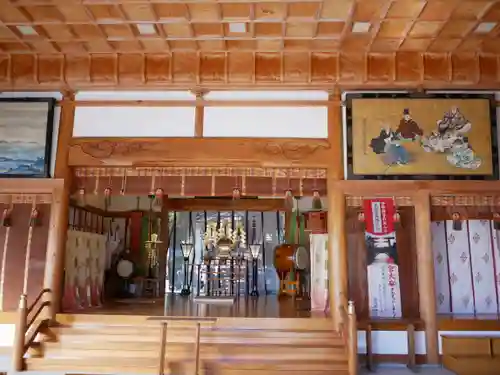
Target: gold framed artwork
399 135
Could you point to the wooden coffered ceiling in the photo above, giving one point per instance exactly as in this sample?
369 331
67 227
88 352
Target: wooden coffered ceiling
202 42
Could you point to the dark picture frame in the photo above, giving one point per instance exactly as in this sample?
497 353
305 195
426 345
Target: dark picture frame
350 154
49 128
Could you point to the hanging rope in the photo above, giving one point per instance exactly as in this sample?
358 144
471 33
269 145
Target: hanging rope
32 223
7 223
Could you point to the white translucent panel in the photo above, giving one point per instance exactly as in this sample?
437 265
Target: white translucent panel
460 271
135 95
442 277
266 122
134 122
31 94
267 95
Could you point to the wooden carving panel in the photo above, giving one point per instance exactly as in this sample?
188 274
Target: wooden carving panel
240 69
213 152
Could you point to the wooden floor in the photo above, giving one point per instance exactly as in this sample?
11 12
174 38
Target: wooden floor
174 305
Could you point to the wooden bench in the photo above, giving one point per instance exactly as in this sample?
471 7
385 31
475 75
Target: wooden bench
471 355
408 325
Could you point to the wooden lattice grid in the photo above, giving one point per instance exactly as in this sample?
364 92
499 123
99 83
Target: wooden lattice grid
104 26
25 198
83 43
353 201
465 200
240 69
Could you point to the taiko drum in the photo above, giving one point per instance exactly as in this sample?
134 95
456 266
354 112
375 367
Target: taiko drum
288 257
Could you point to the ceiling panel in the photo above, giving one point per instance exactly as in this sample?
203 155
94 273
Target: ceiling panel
260 26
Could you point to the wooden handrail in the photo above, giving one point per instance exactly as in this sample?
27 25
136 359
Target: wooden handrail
38 298
164 320
349 330
22 341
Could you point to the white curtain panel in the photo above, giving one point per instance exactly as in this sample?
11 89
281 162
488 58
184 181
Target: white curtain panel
482 264
442 277
466 267
84 276
319 271
462 294
496 258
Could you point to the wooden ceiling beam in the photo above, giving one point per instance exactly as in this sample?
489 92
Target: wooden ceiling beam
184 70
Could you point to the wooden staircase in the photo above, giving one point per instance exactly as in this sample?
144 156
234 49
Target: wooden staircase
95 344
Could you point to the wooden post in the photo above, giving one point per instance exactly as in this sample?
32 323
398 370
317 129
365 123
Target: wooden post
199 115
337 257
56 246
163 252
425 272
337 251
353 339
19 335
335 135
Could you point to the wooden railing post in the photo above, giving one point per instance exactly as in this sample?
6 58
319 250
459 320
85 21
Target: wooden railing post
19 336
197 355
353 339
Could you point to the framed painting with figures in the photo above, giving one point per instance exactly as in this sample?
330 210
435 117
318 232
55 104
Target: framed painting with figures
405 136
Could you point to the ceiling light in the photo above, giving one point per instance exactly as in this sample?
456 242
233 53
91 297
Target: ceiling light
146 28
485 27
361 27
26 30
237 27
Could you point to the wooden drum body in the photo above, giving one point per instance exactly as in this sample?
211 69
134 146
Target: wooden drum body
290 258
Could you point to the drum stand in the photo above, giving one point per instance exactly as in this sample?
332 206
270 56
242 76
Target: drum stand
255 275
255 251
186 290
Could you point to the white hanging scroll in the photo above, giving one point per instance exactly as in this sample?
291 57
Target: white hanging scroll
384 291
319 271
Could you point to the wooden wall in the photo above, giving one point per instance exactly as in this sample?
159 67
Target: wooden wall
16 252
357 263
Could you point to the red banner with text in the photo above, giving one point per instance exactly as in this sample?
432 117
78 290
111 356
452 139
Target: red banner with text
379 216
384 293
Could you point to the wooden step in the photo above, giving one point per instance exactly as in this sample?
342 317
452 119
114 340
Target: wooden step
176 330
295 324
148 366
101 341
206 338
208 352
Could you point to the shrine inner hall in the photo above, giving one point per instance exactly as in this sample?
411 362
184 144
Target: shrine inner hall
225 187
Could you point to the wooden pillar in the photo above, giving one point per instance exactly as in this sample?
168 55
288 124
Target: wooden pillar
56 246
199 115
337 251
163 254
425 272
337 248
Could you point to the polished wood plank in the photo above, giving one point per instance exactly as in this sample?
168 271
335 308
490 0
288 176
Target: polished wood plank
175 305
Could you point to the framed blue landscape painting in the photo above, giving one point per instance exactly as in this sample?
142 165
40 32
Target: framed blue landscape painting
26 136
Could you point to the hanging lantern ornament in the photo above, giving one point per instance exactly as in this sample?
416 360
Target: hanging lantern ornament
236 193
457 221
107 197
159 194
317 205
236 189
7 217
151 195
289 199
124 182
81 196
361 219
396 218
34 217
496 220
